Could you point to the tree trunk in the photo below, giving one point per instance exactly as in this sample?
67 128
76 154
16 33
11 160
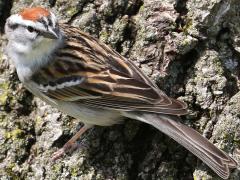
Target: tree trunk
191 49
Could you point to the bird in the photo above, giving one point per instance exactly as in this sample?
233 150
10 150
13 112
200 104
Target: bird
86 79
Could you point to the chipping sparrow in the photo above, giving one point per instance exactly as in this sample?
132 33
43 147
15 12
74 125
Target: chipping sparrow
86 79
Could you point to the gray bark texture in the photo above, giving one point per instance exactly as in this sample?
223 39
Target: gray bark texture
190 48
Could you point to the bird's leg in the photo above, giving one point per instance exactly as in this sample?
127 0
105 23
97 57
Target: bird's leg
71 144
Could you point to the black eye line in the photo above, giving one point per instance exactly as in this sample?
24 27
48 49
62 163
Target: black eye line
29 28
32 29
13 26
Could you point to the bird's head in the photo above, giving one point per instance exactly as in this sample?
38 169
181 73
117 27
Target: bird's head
32 34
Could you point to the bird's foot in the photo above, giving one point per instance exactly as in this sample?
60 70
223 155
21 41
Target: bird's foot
67 148
71 145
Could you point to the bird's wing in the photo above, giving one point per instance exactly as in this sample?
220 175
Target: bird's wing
88 71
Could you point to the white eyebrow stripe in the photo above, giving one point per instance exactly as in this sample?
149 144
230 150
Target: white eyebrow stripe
17 19
46 21
53 19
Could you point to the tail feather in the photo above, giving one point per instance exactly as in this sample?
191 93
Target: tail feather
216 159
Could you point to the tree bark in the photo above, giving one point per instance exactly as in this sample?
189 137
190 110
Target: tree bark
191 49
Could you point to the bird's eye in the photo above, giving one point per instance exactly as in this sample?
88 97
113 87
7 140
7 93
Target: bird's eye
30 29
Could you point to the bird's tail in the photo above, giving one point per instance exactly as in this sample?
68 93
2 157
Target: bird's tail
216 159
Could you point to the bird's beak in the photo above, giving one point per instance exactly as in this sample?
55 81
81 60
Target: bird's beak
51 33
